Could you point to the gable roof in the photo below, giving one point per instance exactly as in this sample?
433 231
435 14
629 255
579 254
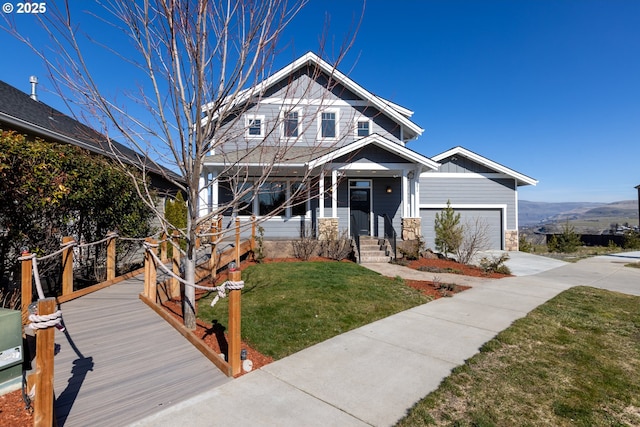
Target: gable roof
393 111
521 179
22 113
380 141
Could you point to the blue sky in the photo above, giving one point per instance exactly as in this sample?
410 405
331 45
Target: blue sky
548 88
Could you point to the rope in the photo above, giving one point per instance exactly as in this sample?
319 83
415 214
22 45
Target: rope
45 321
106 239
220 289
228 285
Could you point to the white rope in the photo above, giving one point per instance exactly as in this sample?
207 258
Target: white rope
221 292
228 285
45 321
36 276
63 247
106 239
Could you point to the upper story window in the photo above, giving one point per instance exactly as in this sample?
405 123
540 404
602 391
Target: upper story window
291 124
329 124
363 128
254 126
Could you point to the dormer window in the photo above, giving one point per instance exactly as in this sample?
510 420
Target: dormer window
254 126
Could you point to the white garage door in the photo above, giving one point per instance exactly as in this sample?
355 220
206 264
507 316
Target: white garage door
491 217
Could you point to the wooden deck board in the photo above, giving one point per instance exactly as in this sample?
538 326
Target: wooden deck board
130 363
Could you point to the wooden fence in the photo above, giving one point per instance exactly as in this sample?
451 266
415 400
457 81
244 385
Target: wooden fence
42 378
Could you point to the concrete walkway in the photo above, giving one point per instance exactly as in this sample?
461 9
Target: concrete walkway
372 375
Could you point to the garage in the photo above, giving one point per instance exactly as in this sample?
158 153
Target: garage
491 217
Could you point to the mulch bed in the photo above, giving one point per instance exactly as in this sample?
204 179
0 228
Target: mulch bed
448 266
12 408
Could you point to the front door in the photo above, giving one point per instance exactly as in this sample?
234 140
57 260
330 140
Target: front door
360 204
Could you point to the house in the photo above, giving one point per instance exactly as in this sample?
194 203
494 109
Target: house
339 154
27 115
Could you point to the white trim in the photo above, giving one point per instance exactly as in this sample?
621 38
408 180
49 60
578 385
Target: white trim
247 119
521 179
335 111
203 192
370 188
321 195
472 175
334 193
480 206
362 119
381 142
386 107
283 120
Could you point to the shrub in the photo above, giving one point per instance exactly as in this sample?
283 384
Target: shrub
304 248
475 238
448 230
337 248
524 245
566 242
631 240
495 264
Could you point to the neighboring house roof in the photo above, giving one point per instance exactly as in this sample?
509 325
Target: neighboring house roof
460 151
394 111
380 141
18 111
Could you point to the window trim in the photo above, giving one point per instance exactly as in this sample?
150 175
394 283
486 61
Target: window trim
287 212
336 111
247 123
283 123
358 121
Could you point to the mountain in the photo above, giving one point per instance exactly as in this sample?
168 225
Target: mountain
531 213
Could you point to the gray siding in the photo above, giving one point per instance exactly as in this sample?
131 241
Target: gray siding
471 191
462 165
489 218
304 87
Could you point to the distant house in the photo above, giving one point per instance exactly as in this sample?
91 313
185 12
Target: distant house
362 176
24 114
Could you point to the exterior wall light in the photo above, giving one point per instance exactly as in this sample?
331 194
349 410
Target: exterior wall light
389 189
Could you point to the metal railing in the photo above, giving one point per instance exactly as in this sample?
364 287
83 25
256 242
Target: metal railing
356 237
390 233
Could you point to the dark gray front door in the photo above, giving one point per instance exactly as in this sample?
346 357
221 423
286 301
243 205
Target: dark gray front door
361 210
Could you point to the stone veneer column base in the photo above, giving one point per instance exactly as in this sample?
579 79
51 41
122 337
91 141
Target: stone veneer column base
511 240
411 228
328 228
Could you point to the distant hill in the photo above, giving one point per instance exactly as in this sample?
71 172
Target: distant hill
533 213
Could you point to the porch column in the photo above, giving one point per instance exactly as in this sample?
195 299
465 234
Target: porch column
321 194
334 193
416 205
214 191
405 187
202 195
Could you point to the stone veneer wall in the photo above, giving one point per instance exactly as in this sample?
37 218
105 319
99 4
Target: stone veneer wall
411 228
511 240
327 228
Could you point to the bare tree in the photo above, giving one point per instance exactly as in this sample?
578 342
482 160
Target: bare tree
196 68
475 238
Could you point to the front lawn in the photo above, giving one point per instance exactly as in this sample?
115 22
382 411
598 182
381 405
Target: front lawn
574 361
289 306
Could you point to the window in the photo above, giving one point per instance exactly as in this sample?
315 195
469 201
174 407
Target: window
329 124
245 203
363 128
291 124
299 196
271 197
254 126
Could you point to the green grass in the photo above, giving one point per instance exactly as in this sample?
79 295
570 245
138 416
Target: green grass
574 361
287 307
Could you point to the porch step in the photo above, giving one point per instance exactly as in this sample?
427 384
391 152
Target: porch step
373 250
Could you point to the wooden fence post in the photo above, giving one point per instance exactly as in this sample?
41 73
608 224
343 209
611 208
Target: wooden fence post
235 338
163 248
67 267
198 242
213 260
45 343
111 256
238 242
27 286
175 256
